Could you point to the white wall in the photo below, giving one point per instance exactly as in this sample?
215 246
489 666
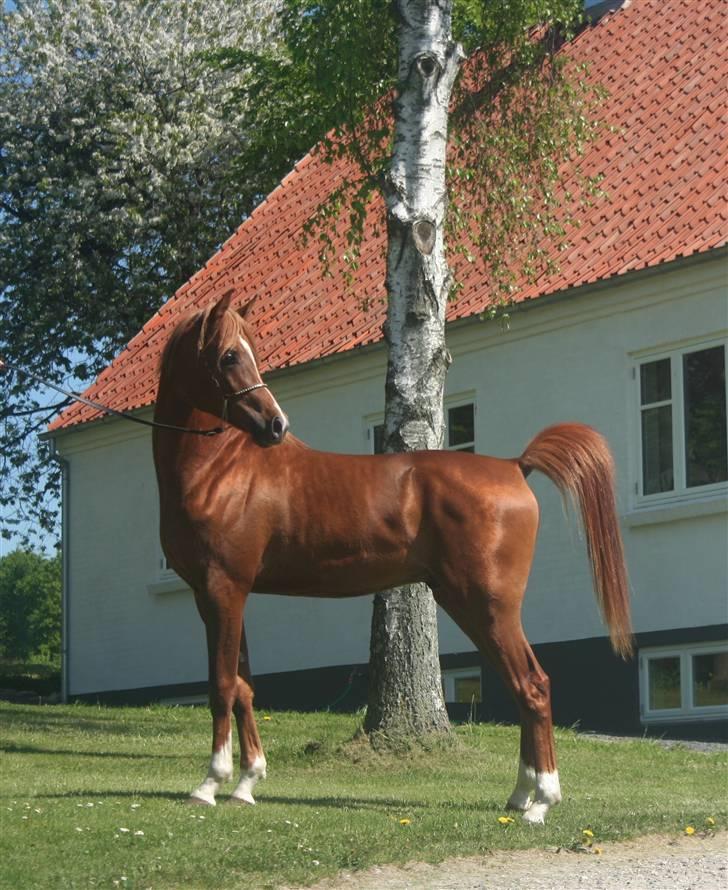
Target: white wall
568 359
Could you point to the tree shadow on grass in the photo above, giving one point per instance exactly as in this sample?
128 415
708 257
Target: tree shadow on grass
19 718
109 793
380 803
12 748
340 802
337 802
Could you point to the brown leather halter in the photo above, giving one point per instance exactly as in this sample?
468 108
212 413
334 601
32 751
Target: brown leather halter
234 395
212 431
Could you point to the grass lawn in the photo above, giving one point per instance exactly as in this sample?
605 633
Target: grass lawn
95 797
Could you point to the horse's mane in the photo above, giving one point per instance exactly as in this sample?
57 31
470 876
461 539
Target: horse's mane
181 330
225 336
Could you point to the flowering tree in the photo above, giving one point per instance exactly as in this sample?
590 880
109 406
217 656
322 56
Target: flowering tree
117 142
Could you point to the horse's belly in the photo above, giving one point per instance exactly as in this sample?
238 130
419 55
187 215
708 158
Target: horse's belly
355 575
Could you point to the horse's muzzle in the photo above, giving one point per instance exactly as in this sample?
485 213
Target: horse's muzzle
277 429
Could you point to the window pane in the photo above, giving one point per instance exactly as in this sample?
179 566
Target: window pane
655 381
710 679
467 689
664 683
657 472
460 426
378 438
706 454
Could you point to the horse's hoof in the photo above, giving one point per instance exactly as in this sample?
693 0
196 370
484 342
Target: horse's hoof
518 803
241 801
199 802
536 813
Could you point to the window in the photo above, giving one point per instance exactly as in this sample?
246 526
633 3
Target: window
462 686
165 569
377 437
681 683
459 431
683 433
166 579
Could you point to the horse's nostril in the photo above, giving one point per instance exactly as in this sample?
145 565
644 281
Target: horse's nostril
277 427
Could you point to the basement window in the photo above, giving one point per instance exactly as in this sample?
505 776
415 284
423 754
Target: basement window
684 682
462 686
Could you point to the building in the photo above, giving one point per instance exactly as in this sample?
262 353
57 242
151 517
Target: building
629 335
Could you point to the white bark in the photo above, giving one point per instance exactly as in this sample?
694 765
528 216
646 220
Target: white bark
405 688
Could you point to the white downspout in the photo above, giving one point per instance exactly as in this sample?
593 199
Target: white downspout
66 572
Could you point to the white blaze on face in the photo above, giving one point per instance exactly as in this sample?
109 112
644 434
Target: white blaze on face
246 346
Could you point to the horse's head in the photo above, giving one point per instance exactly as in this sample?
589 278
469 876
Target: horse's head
226 382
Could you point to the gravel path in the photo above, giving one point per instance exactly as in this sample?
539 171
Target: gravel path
648 863
714 747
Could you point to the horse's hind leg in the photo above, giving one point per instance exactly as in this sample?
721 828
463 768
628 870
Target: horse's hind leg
223 624
252 759
537 788
494 625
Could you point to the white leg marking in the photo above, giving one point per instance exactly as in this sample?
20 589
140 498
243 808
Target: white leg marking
221 769
248 780
525 788
548 794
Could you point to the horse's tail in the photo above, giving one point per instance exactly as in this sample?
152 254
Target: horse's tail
578 461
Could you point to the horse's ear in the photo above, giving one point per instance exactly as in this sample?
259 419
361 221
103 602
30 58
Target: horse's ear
222 305
244 310
211 318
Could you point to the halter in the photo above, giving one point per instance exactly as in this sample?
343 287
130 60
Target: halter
234 395
246 389
213 431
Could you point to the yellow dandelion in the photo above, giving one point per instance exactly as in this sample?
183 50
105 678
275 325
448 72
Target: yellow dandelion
405 821
710 821
689 829
505 820
267 717
587 832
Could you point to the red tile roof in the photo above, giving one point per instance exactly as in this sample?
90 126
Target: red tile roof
664 65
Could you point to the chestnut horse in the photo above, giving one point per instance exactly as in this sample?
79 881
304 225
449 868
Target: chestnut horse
238 515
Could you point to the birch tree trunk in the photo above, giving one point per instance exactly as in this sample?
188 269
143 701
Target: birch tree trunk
405 691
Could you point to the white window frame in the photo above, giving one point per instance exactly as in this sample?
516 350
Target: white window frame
456 401
687 710
166 572
449 675
371 423
166 580
680 491
459 402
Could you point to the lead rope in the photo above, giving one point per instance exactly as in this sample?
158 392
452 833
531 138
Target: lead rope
213 431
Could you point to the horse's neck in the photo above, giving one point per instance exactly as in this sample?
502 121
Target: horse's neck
169 407
177 454
182 460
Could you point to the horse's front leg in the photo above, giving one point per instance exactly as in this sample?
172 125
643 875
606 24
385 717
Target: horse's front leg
252 759
222 613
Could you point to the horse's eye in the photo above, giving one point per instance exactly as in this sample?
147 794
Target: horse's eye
229 358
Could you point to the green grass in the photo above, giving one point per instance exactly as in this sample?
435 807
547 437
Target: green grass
71 777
